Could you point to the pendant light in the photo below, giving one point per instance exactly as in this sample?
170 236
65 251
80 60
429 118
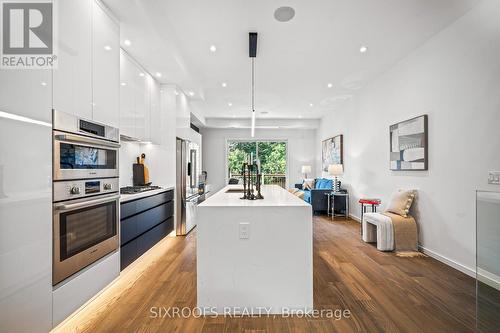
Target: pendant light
252 52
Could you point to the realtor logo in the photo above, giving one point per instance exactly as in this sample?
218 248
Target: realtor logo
27 35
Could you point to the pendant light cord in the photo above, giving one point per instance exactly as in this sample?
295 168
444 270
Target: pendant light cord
253 84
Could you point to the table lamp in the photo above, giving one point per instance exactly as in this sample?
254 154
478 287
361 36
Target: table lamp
336 170
305 170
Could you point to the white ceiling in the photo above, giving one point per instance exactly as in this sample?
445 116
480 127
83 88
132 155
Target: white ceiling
295 60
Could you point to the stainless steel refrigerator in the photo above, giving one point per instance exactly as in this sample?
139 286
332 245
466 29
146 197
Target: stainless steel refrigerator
188 170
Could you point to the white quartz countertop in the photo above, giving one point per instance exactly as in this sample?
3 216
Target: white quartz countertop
273 196
129 197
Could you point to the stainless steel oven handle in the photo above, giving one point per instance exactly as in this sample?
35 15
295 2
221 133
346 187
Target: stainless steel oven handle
64 207
82 139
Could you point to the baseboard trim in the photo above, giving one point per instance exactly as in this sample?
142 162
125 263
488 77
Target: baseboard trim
484 276
488 278
355 218
462 268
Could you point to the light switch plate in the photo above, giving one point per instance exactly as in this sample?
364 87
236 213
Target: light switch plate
244 229
494 177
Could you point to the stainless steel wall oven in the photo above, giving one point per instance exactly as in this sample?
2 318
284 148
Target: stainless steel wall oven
86 196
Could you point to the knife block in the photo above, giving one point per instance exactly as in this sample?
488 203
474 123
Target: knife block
138 174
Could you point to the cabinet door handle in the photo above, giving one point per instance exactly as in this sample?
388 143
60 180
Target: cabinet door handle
81 139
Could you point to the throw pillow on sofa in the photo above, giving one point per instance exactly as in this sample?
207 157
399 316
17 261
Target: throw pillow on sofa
308 184
324 184
400 202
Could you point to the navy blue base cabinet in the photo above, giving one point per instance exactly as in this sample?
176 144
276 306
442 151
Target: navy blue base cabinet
144 222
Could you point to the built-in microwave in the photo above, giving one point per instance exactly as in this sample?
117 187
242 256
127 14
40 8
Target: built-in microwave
83 149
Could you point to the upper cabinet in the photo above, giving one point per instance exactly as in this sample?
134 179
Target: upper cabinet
106 67
127 96
86 81
72 91
139 102
154 114
27 92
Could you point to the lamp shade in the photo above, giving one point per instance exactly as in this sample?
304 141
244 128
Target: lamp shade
306 169
335 169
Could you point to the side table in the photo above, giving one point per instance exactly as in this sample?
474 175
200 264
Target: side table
331 203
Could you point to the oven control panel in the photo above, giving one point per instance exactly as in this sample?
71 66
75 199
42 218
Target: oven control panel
74 189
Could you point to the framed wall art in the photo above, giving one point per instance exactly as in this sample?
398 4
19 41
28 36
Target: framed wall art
332 151
409 140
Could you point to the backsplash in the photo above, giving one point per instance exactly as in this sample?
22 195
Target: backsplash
159 159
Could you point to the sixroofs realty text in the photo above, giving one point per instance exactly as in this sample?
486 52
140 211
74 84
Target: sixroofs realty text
238 312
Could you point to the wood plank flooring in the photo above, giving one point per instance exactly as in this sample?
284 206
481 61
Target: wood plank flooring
384 293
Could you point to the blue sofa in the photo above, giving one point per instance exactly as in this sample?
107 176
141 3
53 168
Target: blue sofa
316 197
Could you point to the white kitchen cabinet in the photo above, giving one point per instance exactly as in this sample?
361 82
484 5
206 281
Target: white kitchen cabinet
72 91
141 103
127 95
27 93
26 222
106 66
155 116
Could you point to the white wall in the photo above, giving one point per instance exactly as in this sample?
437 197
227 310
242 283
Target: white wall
301 150
455 79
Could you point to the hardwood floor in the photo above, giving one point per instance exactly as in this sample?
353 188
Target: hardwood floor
384 293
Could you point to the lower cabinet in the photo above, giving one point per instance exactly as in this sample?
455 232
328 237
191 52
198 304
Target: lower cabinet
145 222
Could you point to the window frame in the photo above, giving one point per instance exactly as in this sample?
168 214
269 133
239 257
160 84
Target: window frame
226 151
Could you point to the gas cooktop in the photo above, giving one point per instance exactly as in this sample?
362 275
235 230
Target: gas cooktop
138 189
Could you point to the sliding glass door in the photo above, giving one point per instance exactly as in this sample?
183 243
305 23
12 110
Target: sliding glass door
272 156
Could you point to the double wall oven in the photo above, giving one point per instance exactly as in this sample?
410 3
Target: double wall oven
86 193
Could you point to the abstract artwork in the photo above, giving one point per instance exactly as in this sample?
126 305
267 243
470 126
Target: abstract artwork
332 151
409 144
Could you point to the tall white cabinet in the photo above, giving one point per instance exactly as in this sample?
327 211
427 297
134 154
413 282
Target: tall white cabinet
128 75
139 101
86 80
86 84
72 79
105 67
155 120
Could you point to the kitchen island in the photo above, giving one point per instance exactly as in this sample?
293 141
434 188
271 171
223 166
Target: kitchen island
254 256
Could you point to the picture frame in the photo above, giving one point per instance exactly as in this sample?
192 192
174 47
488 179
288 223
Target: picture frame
332 151
408 145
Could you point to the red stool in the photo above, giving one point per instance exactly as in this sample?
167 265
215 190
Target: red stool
368 202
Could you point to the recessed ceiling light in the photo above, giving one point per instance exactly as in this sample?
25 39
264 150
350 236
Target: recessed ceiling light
284 14
158 74
127 42
224 84
191 93
229 104
329 85
141 74
234 116
123 84
363 49
213 48
311 104
176 93
43 83
107 47
300 117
